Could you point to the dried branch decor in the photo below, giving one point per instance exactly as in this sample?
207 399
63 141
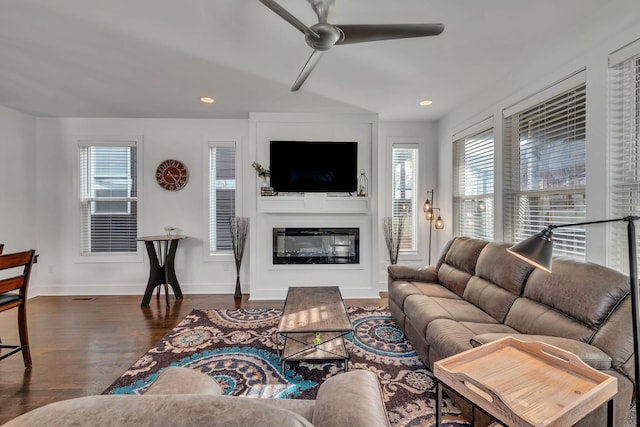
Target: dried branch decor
393 236
239 232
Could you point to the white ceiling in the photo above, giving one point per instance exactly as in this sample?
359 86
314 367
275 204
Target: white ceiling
156 58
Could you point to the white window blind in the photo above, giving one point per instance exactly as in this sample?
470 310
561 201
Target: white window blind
473 167
404 204
222 195
544 170
108 198
624 154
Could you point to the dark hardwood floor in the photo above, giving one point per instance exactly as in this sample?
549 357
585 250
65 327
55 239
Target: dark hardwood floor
80 345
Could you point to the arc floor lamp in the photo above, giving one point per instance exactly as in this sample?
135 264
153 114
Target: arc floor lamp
537 250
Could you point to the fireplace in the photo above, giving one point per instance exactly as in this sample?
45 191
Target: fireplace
316 246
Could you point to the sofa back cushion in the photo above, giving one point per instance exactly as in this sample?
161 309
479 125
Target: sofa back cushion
498 266
498 281
585 291
573 301
460 263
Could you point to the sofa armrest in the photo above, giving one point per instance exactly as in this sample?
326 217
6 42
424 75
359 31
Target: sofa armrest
419 274
588 353
351 399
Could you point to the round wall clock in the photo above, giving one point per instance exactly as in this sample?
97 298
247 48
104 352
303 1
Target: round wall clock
172 175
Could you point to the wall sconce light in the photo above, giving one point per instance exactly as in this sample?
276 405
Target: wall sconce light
429 213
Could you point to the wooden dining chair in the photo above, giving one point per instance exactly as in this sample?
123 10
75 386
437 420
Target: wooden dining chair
13 294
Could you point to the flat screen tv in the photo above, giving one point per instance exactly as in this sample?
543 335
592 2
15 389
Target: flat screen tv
310 166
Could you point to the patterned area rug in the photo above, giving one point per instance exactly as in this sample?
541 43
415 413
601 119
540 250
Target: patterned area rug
238 349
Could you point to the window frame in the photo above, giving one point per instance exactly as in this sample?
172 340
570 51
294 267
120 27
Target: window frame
78 174
623 148
417 208
516 225
221 255
461 139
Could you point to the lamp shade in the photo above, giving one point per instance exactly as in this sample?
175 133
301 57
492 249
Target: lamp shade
537 250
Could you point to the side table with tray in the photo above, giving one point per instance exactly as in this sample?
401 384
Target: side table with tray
525 383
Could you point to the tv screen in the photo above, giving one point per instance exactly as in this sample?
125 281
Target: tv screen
309 166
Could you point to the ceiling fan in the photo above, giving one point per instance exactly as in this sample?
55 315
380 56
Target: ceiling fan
323 36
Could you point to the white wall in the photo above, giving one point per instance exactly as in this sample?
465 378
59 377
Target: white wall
588 49
40 156
17 181
62 269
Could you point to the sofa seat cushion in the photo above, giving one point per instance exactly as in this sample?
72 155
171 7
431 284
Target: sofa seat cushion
589 354
422 310
159 410
435 290
447 337
400 290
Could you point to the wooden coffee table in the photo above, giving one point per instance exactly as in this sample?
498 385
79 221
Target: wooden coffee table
313 326
525 383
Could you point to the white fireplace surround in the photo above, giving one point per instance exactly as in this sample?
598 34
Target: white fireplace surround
312 210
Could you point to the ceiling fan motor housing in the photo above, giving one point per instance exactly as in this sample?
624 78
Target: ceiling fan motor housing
328 34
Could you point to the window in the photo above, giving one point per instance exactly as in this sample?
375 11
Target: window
404 205
624 149
222 195
545 174
108 198
473 184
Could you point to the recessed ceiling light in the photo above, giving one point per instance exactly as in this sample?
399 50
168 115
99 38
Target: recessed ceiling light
426 102
206 100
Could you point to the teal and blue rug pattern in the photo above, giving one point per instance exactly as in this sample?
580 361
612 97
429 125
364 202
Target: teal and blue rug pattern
238 348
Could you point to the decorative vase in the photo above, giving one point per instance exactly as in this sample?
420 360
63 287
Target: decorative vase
265 189
239 229
238 292
363 184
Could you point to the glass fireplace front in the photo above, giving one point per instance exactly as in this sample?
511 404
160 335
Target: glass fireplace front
316 246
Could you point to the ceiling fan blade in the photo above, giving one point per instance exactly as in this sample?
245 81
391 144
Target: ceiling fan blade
287 16
306 70
370 33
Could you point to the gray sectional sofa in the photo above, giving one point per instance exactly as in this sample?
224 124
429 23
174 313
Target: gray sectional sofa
478 292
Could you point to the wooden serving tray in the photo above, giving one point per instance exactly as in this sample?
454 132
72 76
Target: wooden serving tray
527 383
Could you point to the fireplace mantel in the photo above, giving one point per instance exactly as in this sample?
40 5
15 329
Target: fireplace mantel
313 203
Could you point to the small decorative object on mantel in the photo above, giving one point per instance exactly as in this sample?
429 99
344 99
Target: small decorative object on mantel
392 236
363 184
239 228
169 229
265 189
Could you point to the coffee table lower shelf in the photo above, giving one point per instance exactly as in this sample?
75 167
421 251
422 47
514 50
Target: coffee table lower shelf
314 347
